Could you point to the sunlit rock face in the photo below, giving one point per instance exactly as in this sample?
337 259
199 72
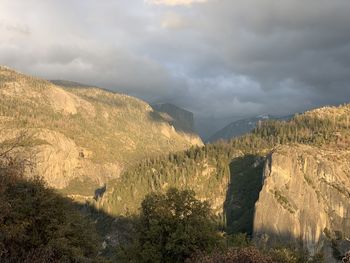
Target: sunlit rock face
305 199
81 137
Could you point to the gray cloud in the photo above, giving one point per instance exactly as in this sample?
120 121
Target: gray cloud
174 2
222 59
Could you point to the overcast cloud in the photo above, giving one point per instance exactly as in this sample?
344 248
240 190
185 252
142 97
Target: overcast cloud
221 59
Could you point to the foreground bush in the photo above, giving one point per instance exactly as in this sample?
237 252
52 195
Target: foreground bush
171 228
37 225
233 255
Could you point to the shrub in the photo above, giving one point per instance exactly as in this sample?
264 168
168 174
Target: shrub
233 255
172 227
37 225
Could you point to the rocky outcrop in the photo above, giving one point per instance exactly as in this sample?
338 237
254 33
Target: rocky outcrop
59 160
305 199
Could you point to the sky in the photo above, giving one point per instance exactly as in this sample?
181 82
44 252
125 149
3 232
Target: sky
221 59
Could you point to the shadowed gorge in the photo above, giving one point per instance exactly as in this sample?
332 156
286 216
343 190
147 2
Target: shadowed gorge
242 193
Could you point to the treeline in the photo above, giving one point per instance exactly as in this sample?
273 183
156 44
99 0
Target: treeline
312 128
204 170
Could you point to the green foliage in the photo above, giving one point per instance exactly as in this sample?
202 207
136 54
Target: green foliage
288 255
172 227
241 249
283 201
203 170
233 255
313 128
238 240
38 225
248 253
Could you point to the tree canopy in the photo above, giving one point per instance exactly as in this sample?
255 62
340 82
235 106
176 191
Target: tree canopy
173 226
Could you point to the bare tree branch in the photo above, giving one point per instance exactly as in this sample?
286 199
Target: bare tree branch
8 146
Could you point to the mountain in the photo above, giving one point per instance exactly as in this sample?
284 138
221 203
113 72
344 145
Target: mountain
181 119
286 182
240 127
81 137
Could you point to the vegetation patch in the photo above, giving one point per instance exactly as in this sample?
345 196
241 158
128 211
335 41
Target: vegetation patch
283 200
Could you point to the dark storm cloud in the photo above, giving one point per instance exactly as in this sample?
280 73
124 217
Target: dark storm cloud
222 59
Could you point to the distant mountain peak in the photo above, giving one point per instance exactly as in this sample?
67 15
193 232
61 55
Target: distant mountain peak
264 116
240 127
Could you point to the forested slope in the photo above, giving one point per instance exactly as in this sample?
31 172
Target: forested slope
83 136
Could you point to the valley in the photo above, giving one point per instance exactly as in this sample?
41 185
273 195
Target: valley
286 182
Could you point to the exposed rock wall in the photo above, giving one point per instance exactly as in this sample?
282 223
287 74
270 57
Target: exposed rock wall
59 160
305 198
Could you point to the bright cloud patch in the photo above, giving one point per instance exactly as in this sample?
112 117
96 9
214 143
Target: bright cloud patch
174 2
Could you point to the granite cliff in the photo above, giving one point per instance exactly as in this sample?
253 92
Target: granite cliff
305 199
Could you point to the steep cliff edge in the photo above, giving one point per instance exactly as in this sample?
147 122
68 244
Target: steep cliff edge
305 199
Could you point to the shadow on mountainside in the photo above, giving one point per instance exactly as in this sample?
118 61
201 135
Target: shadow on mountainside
112 230
243 192
159 117
37 224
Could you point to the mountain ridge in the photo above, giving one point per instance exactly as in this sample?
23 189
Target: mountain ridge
86 133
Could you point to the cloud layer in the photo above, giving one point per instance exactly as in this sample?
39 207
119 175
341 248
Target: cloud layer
174 2
222 59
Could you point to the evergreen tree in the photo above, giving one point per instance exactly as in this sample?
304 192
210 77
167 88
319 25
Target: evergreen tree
172 227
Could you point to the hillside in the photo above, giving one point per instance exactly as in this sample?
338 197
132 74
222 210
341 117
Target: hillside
230 176
241 127
82 137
